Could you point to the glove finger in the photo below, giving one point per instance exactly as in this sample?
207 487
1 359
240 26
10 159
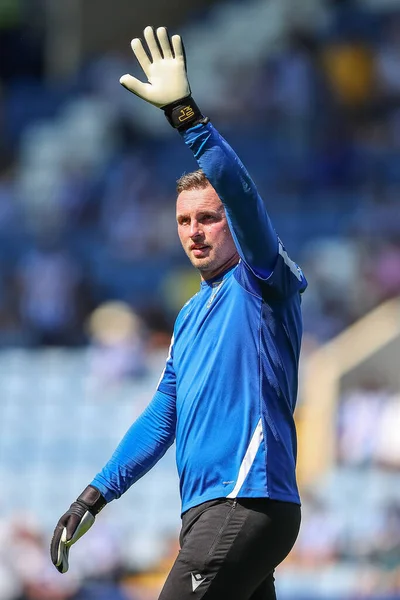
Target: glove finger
59 549
141 55
150 38
55 543
177 46
134 85
164 41
71 525
63 553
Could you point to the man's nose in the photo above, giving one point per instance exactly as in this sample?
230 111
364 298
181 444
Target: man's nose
195 229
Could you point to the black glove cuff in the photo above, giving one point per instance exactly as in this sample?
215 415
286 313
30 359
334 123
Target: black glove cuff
92 499
184 113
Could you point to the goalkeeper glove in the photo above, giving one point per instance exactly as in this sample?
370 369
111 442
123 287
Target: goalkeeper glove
74 524
164 64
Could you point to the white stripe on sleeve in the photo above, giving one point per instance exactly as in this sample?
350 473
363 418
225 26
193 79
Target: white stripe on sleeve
289 262
167 359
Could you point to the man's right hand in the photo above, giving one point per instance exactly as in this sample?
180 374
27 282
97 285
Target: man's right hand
164 65
74 524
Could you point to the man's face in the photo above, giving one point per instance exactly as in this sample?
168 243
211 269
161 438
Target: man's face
204 231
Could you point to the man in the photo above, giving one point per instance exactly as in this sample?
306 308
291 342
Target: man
228 391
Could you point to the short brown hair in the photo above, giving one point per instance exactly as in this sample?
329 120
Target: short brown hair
192 181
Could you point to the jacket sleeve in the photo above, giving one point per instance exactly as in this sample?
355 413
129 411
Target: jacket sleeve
250 225
145 442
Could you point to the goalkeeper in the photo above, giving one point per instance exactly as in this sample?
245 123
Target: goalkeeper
228 390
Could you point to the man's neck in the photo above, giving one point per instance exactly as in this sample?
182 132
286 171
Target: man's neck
205 276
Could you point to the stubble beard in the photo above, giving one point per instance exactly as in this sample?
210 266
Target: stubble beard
201 264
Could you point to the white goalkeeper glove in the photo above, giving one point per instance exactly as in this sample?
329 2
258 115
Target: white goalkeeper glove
164 65
74 524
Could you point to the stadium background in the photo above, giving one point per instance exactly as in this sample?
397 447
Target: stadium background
92 275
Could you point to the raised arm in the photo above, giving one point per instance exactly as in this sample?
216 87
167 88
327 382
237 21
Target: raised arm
168 88
254 236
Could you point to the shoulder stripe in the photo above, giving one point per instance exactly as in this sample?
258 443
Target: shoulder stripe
289 262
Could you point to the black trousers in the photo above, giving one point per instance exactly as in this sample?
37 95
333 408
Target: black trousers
230 548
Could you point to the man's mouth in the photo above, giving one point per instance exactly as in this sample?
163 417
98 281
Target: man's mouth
198 249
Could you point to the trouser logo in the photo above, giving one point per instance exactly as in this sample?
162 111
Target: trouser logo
197 580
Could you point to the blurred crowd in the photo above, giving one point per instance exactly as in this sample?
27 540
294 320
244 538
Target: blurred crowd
96 259
368 426
317 123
